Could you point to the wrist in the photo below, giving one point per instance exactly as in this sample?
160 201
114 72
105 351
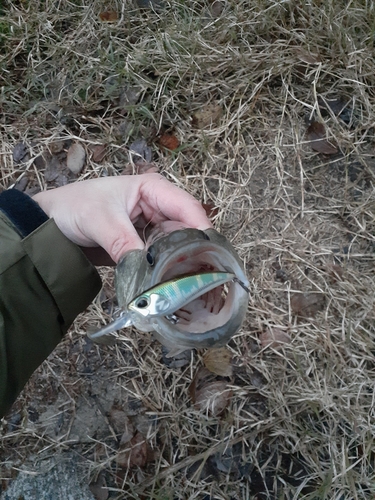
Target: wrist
23 211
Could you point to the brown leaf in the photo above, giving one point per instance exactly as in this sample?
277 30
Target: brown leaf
275 338
336 272
20 153
140 151
21 183
211 210
133 453
217 8
207 116
307 304
108 16
99 488
219 361
75 158
98 152
316 134
53 169
201 378
169 141
208 393
56 147
307 57
120 422
214 397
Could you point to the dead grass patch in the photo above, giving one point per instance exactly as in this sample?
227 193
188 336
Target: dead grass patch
300 421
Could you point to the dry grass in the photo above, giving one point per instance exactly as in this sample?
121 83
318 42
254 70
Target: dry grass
301 418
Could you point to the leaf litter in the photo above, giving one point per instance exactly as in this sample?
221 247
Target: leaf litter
99 488
207 116
208 393
76 158
219 361
316 135
269 209
307 304
108 16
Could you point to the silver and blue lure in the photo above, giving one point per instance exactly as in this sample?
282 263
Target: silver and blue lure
166 298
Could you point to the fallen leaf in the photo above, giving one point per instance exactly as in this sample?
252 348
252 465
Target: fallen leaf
140 151
316 134
20 153
98 152
22 183
169 141
336 272
53 168
56 147
208 393
214 397
129 96
99 488
274 338
108 16
40 161
219 361
217 8
207 116
62 179
120 422
307 57
133 453
307 304
339 106
75 158
211 210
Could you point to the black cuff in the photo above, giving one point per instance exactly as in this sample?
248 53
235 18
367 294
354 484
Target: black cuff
25 214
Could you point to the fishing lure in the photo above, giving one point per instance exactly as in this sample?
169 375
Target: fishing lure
166 298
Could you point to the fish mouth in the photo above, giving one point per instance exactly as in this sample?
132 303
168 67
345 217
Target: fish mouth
193 255
172 250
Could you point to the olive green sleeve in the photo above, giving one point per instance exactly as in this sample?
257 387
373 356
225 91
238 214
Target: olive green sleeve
45 282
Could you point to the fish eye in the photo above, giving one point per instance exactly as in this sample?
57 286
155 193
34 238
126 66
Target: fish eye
150 256
142 303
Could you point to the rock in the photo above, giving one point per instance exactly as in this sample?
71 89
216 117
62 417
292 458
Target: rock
59 478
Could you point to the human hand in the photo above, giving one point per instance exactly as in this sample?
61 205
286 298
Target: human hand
107 212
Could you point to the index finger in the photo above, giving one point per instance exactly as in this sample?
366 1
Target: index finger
173 203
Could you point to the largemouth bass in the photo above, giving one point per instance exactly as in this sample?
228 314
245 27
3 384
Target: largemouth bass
173 250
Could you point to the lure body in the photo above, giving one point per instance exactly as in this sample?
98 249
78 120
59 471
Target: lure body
166 298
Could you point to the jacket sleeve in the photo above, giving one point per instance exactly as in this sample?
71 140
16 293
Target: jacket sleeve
45 282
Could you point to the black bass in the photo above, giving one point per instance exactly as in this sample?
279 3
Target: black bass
171 251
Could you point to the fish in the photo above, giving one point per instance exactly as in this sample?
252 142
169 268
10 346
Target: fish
169 296
173 250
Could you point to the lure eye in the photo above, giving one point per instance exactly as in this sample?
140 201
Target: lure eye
150 256
142 303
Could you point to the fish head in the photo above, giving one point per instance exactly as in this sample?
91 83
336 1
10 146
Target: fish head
173 250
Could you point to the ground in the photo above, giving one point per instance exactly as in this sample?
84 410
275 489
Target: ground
265 111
